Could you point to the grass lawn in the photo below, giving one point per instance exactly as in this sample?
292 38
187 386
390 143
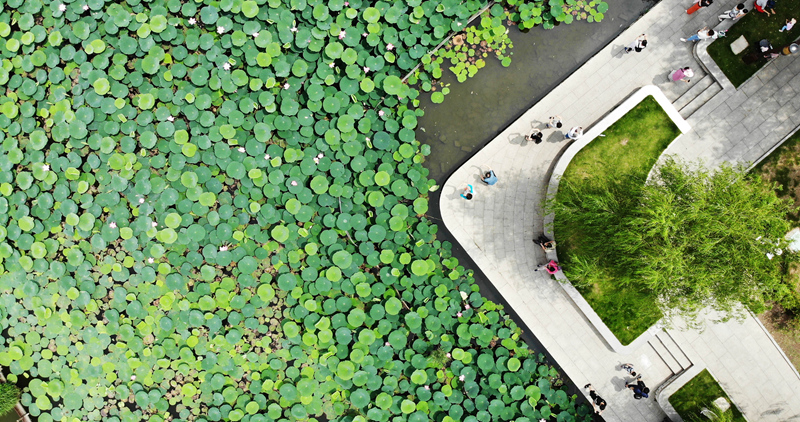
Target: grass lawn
631 145
783 168
755 26
698 393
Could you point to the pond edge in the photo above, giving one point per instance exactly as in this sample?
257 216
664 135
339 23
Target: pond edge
596 130
21 412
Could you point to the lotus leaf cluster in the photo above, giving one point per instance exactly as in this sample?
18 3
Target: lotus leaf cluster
216 210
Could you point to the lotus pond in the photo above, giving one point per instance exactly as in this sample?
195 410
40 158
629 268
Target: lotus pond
217 211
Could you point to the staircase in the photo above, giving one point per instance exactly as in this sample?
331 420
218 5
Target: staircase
669 351
700 93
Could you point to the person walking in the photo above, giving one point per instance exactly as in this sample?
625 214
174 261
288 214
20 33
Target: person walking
682 74
574 133
555 122
535 136
467 193
640 390
733 14
489 177
629 367
699 4
638 45
705 34
598 403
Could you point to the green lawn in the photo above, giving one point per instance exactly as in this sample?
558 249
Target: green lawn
698 393
631 145
755 26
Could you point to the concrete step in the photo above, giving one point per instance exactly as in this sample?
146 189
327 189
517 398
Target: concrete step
701 99
673 348
696 89
665 355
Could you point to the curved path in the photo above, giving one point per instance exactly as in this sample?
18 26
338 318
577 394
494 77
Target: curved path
496 228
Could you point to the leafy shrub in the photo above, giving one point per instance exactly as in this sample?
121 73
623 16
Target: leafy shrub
9 396
216 211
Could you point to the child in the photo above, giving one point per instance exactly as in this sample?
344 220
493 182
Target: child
629 367
789 24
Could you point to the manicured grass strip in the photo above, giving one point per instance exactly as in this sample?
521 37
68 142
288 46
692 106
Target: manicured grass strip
755 27
632 145
698 393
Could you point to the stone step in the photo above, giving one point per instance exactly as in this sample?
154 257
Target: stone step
676 351
699 86
665 355
701 99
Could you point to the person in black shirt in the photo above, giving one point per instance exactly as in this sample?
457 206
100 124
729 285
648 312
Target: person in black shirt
598 402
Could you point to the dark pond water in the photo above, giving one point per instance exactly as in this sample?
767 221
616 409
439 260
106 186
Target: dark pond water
479 109
9 417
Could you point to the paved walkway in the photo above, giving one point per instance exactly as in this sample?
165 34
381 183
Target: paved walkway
497 227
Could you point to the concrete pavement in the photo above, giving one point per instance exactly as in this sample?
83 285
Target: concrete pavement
497 227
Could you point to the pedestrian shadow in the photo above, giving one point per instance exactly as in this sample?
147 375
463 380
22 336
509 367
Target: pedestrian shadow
662 78
618 51
517 139
618 383
555 137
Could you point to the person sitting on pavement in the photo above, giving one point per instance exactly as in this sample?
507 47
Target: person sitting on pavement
551 267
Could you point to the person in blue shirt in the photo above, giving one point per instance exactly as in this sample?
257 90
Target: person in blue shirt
467 194
489 177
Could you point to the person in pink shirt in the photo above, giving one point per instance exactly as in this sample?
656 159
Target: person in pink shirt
551 267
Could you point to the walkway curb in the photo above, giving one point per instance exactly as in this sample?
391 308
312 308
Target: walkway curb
563 162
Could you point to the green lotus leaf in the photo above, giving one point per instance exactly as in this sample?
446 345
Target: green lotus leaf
419 377
392 85
360 398
146 101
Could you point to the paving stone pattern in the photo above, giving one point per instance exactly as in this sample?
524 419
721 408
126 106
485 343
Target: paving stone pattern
497 227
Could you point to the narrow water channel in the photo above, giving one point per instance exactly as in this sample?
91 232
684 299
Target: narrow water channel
476 111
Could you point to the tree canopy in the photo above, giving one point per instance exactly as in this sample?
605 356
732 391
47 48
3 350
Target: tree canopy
696 237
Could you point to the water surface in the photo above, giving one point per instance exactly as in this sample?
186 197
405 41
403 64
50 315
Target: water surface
479 109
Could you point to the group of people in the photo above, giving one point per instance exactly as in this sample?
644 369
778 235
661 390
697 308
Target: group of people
764 47
554 122
489 178
640 390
